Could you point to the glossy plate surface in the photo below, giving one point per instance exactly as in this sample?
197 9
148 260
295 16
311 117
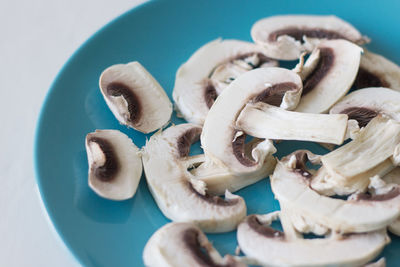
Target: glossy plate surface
161 35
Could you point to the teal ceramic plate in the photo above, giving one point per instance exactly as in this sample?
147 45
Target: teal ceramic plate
161 35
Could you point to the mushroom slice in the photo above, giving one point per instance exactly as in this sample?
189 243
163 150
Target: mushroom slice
377 71
183 244
393 177
270 247
223 144
331 77
135 98
361 212
178 194
265 121
380 263
284 37
115 166
209 70
365 104
376 143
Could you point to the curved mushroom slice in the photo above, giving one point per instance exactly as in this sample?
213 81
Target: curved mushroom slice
183 244
115 166
223 144
361 212
265 121
365 104
209 70
135 98
377 71
374 151
269 247
328 75
284 37
178 194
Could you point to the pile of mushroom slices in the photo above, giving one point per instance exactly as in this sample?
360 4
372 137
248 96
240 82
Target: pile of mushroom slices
238 102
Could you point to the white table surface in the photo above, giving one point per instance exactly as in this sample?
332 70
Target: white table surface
37 37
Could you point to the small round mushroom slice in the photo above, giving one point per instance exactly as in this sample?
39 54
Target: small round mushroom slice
365 104
377 71
328 75
285 37
183 244
209 70
270 247
115 166
361 212
178 194
222 143
135 98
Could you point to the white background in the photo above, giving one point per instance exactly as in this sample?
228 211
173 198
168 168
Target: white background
36 38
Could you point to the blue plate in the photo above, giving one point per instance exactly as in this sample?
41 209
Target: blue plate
161 35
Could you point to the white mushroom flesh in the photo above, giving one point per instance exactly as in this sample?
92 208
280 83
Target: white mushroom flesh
135 98
115 166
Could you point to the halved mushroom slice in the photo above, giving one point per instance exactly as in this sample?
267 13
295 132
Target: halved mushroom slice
365 104
328 75
377 71
209 70
178 194
135 98
223 144
183 244
270 247
115 166
361 212
376 143
284 37
265 121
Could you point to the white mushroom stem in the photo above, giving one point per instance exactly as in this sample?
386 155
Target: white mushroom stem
265 121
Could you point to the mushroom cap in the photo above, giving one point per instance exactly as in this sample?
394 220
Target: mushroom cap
269 247
183 244
365 104
282 36
115 166
221 141
332 76
178 194
377 71
195 87
135 98
290 183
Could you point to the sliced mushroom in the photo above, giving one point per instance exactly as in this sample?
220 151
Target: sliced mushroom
209 70
115 166
346 166
393 177
365 104
377 71
361 212
328 75
270 247
380 263
178 194
265 121
285 37
183 244
135 98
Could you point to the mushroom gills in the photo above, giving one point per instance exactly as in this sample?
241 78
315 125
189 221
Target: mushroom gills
377 71
265 121
179 195
256 237
286 37
135 98
209 71
115 166
327 75
309 210
183 244
222 142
